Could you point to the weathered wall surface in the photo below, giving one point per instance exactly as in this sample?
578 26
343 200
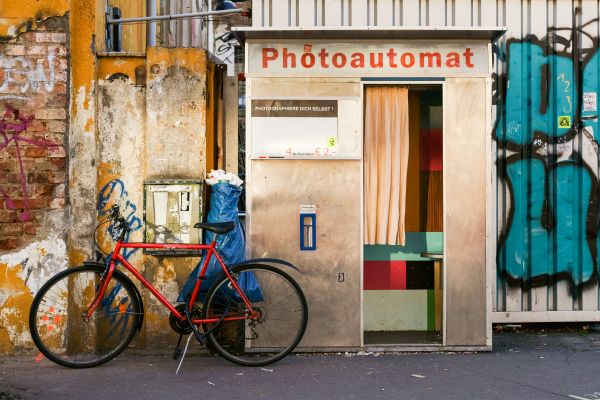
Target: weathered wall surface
150 124
52 83
33 163
21 16
175 149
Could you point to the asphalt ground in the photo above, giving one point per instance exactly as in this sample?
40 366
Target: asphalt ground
564 365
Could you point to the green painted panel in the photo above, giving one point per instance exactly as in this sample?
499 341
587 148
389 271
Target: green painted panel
431 310
416 243
396 310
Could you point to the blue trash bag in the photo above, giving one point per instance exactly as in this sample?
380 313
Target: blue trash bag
223 208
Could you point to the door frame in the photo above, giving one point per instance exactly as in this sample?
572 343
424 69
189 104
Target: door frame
366 82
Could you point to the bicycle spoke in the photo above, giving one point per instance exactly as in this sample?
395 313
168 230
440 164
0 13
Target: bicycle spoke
280 322
58 327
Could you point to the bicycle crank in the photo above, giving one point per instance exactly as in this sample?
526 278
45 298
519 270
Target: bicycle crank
182 326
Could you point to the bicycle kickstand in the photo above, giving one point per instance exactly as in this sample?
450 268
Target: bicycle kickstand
177 351
185 349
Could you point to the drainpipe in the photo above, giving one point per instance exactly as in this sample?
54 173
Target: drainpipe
211 32
151 27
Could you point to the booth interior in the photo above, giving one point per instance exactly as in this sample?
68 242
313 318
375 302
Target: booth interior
402 298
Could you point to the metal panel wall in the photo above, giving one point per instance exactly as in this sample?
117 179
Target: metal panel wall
465 233
276 189
545 172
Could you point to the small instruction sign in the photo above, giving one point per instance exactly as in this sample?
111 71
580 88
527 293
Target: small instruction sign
308 209
564 121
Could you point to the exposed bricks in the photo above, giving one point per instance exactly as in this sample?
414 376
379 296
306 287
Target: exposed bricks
10 243
51 113
29 228
50 37
57 203
33 163
10 229
34 152
8 216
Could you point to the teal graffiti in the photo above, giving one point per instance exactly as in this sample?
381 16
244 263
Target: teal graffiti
541 88
534 102
552 227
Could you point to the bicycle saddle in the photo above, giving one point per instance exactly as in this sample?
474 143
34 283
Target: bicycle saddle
216 227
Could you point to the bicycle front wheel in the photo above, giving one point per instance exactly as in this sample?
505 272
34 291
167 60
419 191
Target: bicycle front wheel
59 330
277 300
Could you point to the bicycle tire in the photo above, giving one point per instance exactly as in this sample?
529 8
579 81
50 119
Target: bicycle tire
58 329
257 343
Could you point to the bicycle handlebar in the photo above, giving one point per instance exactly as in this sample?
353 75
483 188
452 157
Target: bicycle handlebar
115 214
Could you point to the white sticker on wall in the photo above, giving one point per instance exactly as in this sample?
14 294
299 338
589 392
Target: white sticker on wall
589 102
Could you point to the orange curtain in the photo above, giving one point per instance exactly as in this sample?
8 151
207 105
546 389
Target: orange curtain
386 164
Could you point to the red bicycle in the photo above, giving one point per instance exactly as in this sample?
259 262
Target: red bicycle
85 316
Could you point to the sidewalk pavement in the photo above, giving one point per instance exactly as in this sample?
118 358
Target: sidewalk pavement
522 365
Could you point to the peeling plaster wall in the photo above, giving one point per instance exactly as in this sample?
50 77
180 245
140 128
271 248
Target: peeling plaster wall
122 129
175 148
150 128
176 112
120 118
34 77
82 141
21 276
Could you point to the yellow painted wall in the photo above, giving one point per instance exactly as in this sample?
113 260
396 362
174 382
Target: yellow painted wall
20 16
133 38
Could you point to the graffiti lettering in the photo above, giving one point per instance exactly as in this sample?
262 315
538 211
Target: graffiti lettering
25 75
225 47
551 162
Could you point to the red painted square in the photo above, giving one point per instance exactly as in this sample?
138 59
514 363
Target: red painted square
384 275
398 275
431 149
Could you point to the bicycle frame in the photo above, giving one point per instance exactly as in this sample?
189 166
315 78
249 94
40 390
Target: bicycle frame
211 250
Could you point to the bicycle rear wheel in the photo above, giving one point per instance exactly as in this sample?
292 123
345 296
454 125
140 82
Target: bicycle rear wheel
278 300
56 317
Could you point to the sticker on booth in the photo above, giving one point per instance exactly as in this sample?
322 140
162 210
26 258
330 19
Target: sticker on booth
589 102
564 121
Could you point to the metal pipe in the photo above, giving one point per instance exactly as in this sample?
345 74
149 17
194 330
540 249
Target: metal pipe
210 32
151 27
172 16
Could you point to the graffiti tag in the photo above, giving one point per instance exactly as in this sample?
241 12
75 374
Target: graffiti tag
25 75
12 126
114 192
552 163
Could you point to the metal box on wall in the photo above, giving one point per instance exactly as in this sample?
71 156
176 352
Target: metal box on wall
171 209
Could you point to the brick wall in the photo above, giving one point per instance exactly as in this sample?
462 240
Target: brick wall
33 129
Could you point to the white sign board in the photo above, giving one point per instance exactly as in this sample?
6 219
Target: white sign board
294 128
324 58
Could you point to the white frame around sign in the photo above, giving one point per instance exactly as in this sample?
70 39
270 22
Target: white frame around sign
259 156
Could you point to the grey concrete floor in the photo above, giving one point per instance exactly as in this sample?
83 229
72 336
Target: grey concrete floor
522 365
